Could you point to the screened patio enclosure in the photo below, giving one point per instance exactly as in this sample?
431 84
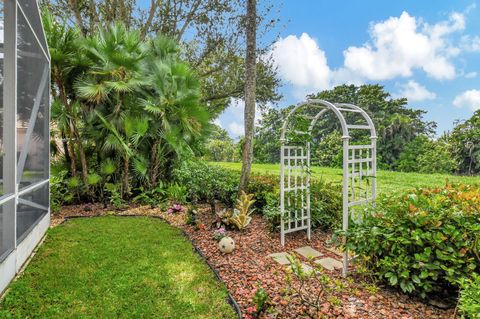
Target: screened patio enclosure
24 134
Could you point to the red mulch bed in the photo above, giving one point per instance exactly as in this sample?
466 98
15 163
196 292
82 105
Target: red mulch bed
249 267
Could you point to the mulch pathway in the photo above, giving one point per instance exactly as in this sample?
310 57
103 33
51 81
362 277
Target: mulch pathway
249 267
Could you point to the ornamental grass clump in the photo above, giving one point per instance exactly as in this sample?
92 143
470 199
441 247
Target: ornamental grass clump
423 242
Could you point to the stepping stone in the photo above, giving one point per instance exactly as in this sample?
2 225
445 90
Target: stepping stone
329 263
308 252
281 258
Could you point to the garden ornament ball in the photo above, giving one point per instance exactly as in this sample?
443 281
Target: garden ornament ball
226 245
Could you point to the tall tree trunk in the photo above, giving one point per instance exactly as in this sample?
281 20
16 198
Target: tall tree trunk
250 86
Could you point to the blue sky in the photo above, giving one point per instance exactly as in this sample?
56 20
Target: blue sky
427 51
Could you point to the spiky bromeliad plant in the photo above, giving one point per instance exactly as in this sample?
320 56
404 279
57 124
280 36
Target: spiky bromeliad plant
241 217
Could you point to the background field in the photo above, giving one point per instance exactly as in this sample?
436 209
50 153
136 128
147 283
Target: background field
387 181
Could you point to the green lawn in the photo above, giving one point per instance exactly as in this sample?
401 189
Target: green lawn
387 181
115 267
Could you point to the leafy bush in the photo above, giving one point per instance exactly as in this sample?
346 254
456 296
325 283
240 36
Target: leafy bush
59 192
261 186
469 301
427 156
423 242
326 205
207 183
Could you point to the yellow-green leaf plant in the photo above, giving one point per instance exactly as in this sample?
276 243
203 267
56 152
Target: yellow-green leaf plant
242 213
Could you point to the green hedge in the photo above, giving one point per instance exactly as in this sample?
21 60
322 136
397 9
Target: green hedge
206 183
423 242
469 301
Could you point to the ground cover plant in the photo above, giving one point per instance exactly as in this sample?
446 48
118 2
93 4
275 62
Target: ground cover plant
424 242
112 267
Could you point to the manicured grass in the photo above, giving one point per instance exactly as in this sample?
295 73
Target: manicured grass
114 267
387 181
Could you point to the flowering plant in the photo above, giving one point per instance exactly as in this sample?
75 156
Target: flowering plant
218 234
175 208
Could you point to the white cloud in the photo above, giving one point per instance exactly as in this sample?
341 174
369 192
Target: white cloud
232 118
471 75
301 62
401 44
470 98
236 129
415 92
470 43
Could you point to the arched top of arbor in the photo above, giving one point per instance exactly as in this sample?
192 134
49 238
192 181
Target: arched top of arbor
339 109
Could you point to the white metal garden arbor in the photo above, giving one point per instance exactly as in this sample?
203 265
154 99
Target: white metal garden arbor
359 166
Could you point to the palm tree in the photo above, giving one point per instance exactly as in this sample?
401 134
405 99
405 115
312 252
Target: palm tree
67 62
108 86
172 98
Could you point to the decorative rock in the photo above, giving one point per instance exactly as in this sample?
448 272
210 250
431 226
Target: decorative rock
308 252
226 245
329 263
281 258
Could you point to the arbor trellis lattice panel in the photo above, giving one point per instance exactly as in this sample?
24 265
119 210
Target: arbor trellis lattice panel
359 164
295 197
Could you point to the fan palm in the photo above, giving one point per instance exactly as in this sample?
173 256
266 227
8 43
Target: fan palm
67 62
172 99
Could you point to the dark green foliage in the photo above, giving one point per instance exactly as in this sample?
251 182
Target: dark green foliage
262 186
424 155
266 147
465 145
424 241
396 124
469 300
116 267
127 109
59 191
326 205
329 151
207 183
220 147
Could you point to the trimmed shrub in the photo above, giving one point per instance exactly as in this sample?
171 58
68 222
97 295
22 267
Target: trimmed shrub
207 183
423 242
262 186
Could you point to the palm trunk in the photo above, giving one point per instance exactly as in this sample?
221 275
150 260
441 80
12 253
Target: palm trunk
75 135
154 164
73 158
125 181
250 86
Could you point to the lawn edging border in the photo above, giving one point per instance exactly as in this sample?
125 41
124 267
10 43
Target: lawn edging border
233 303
